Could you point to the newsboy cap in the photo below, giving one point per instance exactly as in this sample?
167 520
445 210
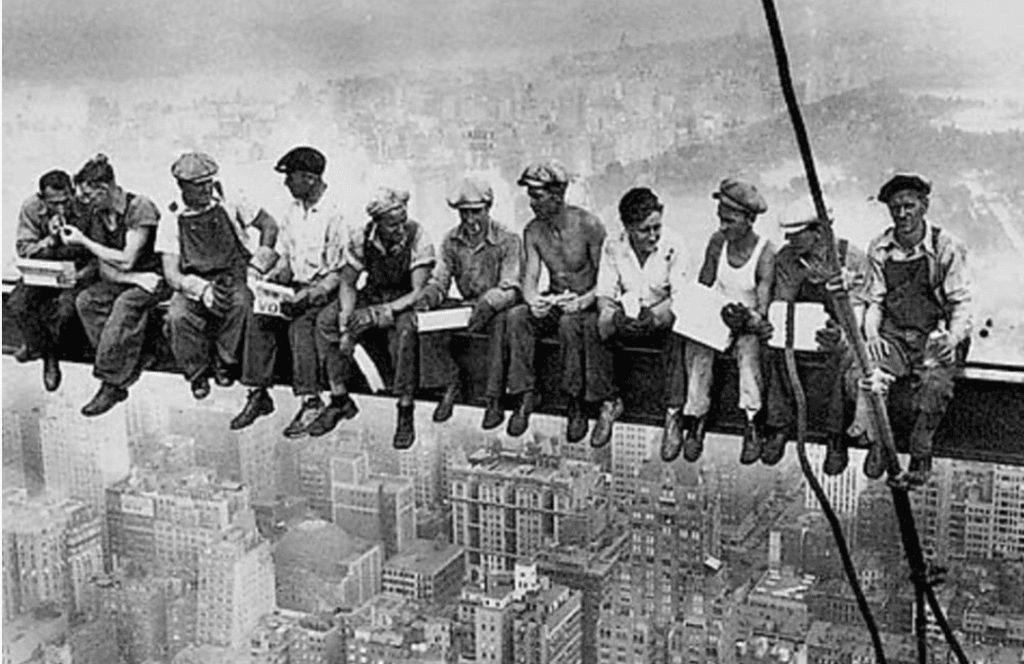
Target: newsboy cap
798 215
740 195
386 200
544 174
195 167
303 158
904 182
472 193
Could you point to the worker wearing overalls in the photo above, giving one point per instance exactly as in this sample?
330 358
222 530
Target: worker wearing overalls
206 261
917 324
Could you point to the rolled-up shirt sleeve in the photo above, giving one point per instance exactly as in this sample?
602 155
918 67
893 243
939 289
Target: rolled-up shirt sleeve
874 276
608 273
510 275
441 278
33 239
352 253
167 237
957 287
423 254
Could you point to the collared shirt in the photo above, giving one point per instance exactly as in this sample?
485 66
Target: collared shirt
242 216
33 239
793 272
496 262
421 248
947 272
110 227
621 274
311 241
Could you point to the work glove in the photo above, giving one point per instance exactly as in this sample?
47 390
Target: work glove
830 337
483 314
736 316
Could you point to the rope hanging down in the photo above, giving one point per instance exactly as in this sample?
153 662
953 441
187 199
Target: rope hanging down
850 325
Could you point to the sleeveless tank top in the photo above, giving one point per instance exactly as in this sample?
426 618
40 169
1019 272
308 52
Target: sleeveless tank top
739 284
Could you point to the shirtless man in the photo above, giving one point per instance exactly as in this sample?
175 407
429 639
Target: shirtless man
567 240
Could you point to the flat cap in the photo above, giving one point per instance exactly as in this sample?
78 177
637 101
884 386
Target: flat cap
798 215
194 167
386 200
740 195
472 193
303 158
544 174
904 182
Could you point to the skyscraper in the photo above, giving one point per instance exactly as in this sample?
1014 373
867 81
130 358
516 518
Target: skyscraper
632 445
843 489
377 508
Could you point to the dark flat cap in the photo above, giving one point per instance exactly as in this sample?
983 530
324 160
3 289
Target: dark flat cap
195 167
544 174
904 182
303 158
472 193
740 195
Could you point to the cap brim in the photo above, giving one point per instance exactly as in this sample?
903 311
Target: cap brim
729 202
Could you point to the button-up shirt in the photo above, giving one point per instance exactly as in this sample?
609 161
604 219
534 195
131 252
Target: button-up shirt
621 276
422 249
242 216
495 262
803 277
311 241
947 272
33 238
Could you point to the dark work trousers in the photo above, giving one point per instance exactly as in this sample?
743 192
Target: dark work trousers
395 351
576 342
42 314
260 352
780 403
115 318
505 343
198 336
605 360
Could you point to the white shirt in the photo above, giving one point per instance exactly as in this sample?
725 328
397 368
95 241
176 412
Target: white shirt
620 276
241 213
739 284
312 241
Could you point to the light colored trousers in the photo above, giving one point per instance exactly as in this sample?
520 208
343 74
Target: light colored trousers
699 362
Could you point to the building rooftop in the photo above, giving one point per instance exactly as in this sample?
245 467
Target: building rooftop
424 556
319 546
783 585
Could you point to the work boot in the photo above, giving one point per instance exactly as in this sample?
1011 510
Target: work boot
106 398
405 429
25 354
308 412
257 404
611 410
837 457
494 416
224 376
874 463
774 447
752 438
51 373
576 430
693 444
919 471
340 408
446 405
200 387
672 438
520 420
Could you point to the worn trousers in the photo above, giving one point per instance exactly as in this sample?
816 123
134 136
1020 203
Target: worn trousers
575 353
395 351
115 318
603 382
42 314
780 402
508 334
259 356
700 361
201 339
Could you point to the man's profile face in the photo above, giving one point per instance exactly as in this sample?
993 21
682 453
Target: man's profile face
644 236
196 195
804 240
94 194
734 224
546 202
301 183
57 201
391 225
907 209
473 219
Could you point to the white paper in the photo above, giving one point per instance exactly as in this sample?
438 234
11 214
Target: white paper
444 319
267 298
808 318
51 274
698 311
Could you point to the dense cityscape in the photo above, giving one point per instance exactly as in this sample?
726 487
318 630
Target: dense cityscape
154 535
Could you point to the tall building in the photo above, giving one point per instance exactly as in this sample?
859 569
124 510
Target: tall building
83 546
842 490
236 587
422 464
624 639
547 627
506 507
257 461
632 445
136 605
429 570
313 474
377 508
92 640
493 622
318 567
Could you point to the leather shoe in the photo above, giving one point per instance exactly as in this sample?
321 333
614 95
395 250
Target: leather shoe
200 387
751 451
672 438
443 412
611 410
340 408
308 412
693 444
576 430
258 404
874 463
26 354
520 420
837 457
493 416
51 373
405 428
106 398
774 448
224 376
919 471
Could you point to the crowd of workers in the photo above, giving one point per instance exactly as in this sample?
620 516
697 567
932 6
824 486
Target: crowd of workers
363 284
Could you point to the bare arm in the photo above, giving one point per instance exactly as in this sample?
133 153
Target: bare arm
346 294
532 273
120 259
268 228
765 277
595 243
172 270
419 280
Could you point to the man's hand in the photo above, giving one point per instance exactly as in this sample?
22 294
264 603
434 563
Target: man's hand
571 305
382 315
877 348
830 337
942 347
423 302
483 314
540 308
735 316
347 343
846 280
217 299
147 281
762 327
54 224
72 235
297 304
